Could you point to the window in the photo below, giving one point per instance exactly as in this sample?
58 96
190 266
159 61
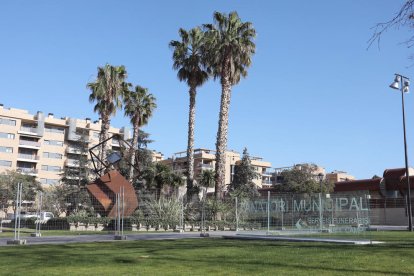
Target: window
6 149
5 163
8 122
54 143
96 135
51 168
6 135
52 155
55 129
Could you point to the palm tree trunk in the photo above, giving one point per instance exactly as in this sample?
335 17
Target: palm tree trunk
134 148
104 130
190 143
221 144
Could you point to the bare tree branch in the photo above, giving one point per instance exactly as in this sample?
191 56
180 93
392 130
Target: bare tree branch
404 17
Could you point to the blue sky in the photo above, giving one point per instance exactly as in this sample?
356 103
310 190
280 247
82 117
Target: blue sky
314 92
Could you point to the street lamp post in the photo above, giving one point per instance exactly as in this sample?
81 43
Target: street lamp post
320 178
404 82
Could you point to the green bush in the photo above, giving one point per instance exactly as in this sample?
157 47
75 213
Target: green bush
56 224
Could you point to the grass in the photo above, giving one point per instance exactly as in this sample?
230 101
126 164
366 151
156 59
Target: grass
213 256
25 232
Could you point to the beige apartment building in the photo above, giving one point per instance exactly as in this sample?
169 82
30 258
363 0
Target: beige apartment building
205 159
318 171
43 146
338 176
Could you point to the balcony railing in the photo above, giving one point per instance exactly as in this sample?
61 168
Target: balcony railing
74 150
268 172
27 170
267 182
29 129
29 143
206 166
72 162
115 142
27 156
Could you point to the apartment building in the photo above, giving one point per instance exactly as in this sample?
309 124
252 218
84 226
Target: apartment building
43 146
205 159
318 171
338 176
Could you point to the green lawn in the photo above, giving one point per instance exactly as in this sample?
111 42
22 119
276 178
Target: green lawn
25 232
213 256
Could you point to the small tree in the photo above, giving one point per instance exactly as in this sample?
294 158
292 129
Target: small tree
8 187
242 185
303 179
74 179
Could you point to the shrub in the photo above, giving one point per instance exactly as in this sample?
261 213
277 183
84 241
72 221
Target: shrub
56 224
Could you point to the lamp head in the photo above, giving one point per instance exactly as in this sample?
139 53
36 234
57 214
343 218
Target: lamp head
320 176
406 87
396 83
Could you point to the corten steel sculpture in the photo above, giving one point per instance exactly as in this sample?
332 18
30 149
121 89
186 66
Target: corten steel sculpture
109 183
104 189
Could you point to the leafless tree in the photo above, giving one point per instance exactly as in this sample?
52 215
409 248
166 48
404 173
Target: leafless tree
404 18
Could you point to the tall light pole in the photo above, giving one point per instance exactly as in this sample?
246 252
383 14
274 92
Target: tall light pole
403 83
320 178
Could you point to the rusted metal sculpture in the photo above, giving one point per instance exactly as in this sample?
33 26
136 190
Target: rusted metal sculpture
103 192
110 182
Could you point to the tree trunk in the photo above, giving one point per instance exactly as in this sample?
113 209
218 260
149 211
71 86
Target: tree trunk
134 148
104 130
221 144
190 143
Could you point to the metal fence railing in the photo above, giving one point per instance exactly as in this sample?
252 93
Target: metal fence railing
71 208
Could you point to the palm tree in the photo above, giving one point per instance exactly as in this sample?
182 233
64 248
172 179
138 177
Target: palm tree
188 60
139 106
207 179
159 176
107 91
230 46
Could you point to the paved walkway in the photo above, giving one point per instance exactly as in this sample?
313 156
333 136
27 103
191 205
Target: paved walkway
110 237
247 235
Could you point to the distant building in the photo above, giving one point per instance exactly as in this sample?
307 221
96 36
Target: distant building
156 156
205 159
338 176
276 178
43 146
391 185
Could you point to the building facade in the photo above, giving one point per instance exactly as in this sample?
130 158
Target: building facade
338 176
205 159
44 146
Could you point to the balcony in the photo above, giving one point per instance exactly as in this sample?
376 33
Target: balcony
28 171
31 131
206 166
115 143
267 173
72 163
267 182
29 144
27 157
73 150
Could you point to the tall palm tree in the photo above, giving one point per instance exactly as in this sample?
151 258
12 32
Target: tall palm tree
230 46
188 60
139 106
107 91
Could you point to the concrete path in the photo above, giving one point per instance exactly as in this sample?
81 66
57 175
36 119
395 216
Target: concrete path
186 235
111 237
